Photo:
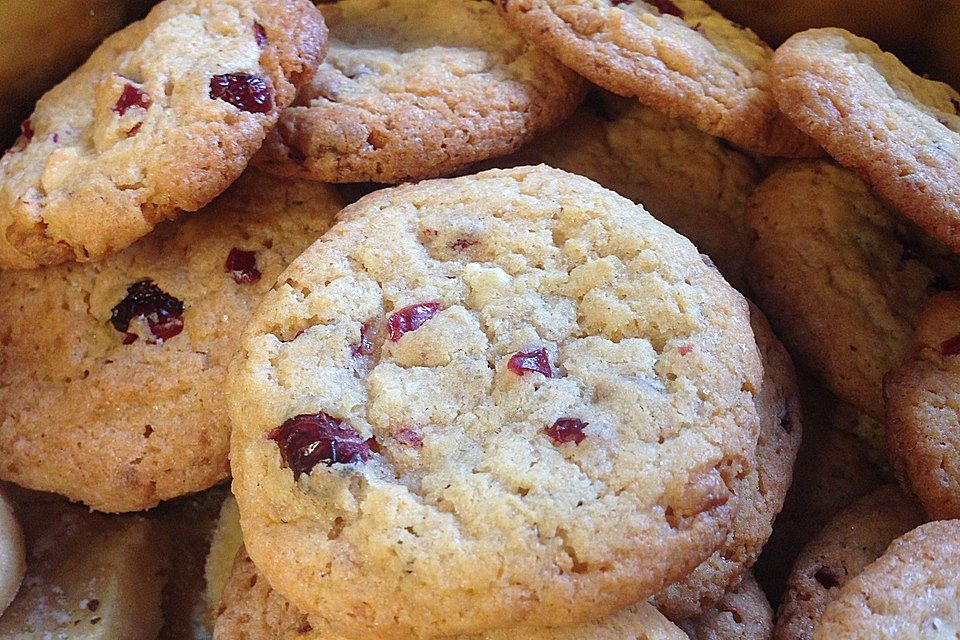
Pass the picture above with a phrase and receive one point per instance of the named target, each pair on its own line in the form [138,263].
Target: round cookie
[226,540]
[112,373]
[408,92]
[760,492]
[685,178]
[923,411]
[252,610]
[852,540]
[898,130]
[162,118]
[830,269]
[910,592]
[13,553]
[743,614]
[682,58]
[478,403]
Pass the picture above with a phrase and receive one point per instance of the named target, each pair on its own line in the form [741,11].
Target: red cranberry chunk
[537,360]
[260,34]
[131,97]
[365,346]
[26,129]
[684,349]
[462,244]
[411,318]
[666,6]
[408,438]
[242,266]
[567,430]
[951,346]
[163,312]
[309,439]
[244,91]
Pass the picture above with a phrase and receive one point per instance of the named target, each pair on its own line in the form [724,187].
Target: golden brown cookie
[478,403]
[112,373]
[688,180]
[161,119]
[13,555]
[852,540]
[743,614]
[911,592]
[761,492]
[923,410]
[680,57]
[252,610]
[898,130]
[829,267]
[409,92]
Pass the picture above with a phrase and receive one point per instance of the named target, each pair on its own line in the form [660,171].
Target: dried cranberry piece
[163,312]
[408,438]
[951,346]
[130,338]
[26,129]
[242,266]
[307,440]
[537,360]
[666,6]
[411,318]
[365,346]
[462,244]
[242,90]
[55,137]
[131,97]
[260,34]
[684,349]
[567,430]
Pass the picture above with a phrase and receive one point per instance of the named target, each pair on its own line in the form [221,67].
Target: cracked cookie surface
[830,266]
[479,403]
[923,410]
[681,58]
[117,400]
[162,118]
[760,492]
[898,130]
[408,93]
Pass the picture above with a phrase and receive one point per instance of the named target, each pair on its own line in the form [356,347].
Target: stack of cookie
[521,393]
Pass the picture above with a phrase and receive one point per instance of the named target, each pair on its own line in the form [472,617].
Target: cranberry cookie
[162,118]
[680,57]
[685,178]
[252,610]
[479,403]
[112,373]
[760,493]
[409,92]
[923,411]
[13,560]
[742,614]
[830,267]
[850,541]
[898,130]
[910,593]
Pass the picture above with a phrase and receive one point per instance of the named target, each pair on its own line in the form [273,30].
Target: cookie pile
[471,303]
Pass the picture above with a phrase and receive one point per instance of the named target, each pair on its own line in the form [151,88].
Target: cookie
[224,545]
[742,614]
[89,575]
[852,540]
[13,561]
[477,403]
[760,493]
[682,58]
[910,592]
[162,118]
[112,373]
[828,266]
[252,610]
[898,130]
[685,178]
[923,411]
[408,92]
